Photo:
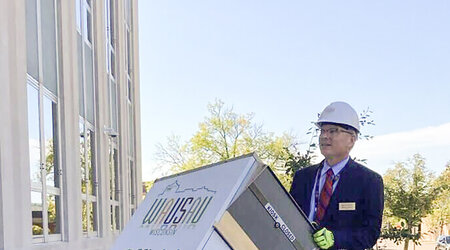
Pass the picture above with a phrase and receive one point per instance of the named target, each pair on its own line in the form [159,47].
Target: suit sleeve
[295,189]
[367,234]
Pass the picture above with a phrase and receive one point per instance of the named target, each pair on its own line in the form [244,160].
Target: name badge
[347,206]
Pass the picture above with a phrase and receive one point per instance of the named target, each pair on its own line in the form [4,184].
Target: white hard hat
[340,113]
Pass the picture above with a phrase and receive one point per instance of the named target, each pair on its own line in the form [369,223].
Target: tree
[225,134]
[146,186]
[409,194]
[298,160]
[440,214]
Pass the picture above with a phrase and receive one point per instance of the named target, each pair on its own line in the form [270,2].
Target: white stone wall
[15,199]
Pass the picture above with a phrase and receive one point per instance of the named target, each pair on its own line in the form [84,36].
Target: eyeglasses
[334,131]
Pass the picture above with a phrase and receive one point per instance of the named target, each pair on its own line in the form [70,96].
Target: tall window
[114,173]
[87,101]
[131,153]
[132,181]
[128,22]
[111,62]
[114,186]
[42,95]
[88,180]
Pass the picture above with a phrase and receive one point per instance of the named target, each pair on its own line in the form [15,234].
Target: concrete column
[69,122]
[123,112]
[15,199]
[137,101]
[102,119]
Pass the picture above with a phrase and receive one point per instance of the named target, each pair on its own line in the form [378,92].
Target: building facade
[70,156]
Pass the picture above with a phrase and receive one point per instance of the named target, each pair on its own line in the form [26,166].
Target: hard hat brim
[344,126]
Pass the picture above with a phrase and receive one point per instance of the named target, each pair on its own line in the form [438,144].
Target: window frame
[132,177]
[115,194]
[87,196]
[39,85]
[87,29]
[42,187]
[111,65]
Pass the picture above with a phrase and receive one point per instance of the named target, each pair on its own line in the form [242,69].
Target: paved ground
[425,245]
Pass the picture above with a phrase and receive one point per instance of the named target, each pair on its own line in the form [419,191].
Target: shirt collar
[336,168]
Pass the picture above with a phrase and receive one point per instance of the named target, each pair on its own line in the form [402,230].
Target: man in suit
[344,198]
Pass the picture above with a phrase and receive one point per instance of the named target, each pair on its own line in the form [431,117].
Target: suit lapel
[310,185]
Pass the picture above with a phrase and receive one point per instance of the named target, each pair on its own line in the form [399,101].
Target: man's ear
[353,141]
[355,138]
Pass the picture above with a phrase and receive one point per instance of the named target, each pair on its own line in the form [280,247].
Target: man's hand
[324,238]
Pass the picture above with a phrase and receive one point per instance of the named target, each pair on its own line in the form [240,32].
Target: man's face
[335,142]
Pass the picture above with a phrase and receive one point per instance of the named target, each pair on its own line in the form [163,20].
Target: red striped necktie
[325,196]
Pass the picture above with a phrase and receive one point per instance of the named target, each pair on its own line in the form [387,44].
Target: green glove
[324,238]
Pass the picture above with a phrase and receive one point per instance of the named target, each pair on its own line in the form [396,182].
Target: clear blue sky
[286,60]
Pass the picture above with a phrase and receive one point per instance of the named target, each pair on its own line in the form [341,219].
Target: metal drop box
[235,204]
[265,216]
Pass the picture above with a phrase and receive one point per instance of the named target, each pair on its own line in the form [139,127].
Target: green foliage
[297,160]
[37,230]
[409,195]
[365,118]
[440,214]
[146,186]
[225,134]
[398,234]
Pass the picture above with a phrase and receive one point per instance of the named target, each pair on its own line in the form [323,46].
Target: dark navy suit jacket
[352,229]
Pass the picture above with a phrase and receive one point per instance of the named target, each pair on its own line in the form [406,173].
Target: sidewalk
[425,245]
